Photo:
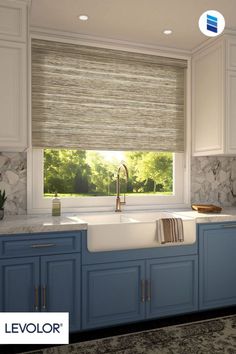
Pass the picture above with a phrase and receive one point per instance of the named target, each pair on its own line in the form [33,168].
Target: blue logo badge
[211,23]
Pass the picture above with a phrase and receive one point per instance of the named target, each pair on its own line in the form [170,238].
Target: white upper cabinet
[231,53]
[13,74]
[13,20]
[214,98]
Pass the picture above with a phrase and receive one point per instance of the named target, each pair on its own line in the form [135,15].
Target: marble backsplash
[213,180]
[13,181]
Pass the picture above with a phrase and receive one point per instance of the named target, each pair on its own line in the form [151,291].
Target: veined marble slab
[227,214]
[19,224]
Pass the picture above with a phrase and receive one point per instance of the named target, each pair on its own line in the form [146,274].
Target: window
[74,173]
[86,180]
[91,98]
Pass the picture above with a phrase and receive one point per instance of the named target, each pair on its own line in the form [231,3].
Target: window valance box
[93,98]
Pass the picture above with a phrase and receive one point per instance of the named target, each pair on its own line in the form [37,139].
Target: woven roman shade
[92,98]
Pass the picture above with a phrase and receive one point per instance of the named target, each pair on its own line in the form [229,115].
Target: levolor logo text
[34,328]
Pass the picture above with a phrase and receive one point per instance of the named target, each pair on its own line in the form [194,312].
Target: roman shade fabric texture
[93,98]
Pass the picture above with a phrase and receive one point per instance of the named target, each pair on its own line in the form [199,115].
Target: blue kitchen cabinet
[42,272]
[217,265]
[113,293]
[171,286]
[60,286]
[122,292]
[19,284]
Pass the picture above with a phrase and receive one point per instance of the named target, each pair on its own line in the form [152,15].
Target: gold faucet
[118,201]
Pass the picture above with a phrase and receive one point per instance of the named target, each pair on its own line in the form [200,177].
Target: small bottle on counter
[56,206]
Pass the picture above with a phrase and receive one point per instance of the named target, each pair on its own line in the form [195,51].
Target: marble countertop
[39,223]
[227,214]
[18,224]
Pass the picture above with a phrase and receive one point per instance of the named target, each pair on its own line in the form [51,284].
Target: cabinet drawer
[39,244]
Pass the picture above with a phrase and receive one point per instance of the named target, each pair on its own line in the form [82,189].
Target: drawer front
[40,244]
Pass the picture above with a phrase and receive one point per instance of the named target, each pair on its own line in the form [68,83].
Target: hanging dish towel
[170,230]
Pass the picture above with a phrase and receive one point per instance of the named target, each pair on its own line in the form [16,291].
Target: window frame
[35,202]
[38,203]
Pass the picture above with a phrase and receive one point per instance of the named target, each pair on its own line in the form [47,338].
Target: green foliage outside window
[89,173]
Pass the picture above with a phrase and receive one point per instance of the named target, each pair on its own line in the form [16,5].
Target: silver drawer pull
[45,245]
[232,226]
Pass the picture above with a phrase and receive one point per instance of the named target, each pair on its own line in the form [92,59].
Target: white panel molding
[13,20]
[212,40]
[231,53]
[188,135]
[74,38]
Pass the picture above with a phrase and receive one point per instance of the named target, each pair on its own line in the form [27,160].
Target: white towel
[170,230]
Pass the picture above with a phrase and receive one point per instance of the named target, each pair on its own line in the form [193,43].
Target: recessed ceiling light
[83,17]
[168,31]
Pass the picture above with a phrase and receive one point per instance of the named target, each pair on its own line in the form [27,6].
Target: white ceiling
[136,21]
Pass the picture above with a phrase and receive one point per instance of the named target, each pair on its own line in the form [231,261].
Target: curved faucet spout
[118,201]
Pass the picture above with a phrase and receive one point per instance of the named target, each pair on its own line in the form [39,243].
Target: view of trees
[89,173]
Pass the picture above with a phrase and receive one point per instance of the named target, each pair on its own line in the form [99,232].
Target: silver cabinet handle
[232,226]
[43,245]
[44,298]
[36,298]
[148,290]
[142,290]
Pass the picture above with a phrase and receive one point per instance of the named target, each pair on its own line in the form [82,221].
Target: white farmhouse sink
[110,231]
[105,218]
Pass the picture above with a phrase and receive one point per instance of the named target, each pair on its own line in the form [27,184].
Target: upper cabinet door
[13,110]
[208,102]
[213,98]
[13,20]
[231,111]
[13,75]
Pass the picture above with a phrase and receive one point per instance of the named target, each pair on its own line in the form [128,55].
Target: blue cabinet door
[217,265]
[60,286]
[19,284]
[113,293]
[171,286]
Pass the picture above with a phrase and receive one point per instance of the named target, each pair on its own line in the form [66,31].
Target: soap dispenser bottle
[56,206]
